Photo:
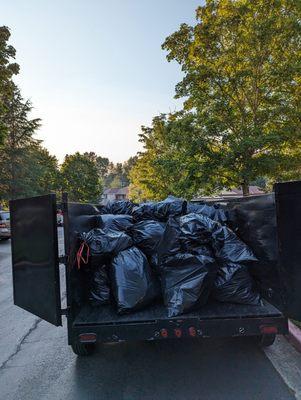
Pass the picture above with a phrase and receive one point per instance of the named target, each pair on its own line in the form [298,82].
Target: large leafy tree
[16,150]
[8,68]
[171,162]
[102,163]
[41,172]
[26,168]
[242,75]
[80,178]
[117,175]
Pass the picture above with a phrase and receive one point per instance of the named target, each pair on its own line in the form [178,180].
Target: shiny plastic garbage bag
[144,211]
[99,292]
[134,284]
[170,207]
[234,284]
[186,280]
[146,235]
[170,243]
[213,212]
[226,245]
[119,222]
[106,243]
[160,211]
[120,207]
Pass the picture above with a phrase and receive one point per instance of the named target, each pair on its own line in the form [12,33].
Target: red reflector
[87,337]
[192,331]
[178,332]
[269,330]
[164,333]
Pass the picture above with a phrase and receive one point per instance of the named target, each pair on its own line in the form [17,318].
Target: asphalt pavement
[37,363]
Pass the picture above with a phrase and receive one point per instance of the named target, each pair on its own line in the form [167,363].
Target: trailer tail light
[269,330]
[178,332]
[164,333]
[87,337]
[2,225]
[192,331]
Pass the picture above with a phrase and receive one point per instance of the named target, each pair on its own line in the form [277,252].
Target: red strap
[79,255]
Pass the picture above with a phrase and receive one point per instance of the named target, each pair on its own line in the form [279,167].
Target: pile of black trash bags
[179,251]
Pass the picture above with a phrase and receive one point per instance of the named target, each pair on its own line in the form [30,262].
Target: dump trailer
[270,224]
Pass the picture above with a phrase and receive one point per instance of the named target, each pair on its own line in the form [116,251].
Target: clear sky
[94,70]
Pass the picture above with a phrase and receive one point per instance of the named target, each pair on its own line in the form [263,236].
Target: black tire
[4,239]
[265,340]
[83,349]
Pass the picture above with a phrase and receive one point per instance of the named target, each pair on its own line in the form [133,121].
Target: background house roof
[117,191]
[230,193]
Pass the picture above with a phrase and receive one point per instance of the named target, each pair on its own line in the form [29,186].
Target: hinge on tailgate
[63,259]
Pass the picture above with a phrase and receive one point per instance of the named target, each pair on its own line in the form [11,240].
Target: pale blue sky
[94,70]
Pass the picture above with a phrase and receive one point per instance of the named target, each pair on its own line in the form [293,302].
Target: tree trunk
[245,189]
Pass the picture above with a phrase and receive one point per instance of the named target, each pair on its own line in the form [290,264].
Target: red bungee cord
[79,255]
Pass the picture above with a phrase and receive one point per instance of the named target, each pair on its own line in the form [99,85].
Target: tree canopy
[171,162]
[242,75]
[8,68]
[80,178]
[16,152]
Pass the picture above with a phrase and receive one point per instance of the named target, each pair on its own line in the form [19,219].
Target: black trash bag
[170,207]
[119,222]
[102,209]
[146,235]
[99,293]
[213,212]
[120,207]
[187,280]
[154,263]
[144,211]
[106,243]
[234,284]
[133,283]
[82,223]
[160,211]
[196,229]
[170,243]
[177,240]
[229,248]
[200,249]
[226,245]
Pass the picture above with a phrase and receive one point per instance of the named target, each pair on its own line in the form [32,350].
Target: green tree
[242,75]
[15,152]
[80,178]
[102,163]
[114,178]
[127,167]
[171,162]
[7,70]
[41,173]
[118,174]
[26,168]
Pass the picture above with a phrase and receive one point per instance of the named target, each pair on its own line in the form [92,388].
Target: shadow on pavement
[179,369]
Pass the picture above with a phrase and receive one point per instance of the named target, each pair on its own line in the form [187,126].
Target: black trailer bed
[107,315]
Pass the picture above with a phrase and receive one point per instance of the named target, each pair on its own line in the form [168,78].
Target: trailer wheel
[266,340]
[83,349]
